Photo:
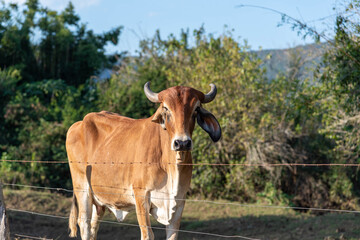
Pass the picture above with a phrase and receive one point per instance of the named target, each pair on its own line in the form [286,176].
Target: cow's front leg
[172,230]
[142,199]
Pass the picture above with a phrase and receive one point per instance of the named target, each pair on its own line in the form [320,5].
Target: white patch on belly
[119,214]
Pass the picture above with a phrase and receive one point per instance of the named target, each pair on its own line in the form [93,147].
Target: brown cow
[123,164]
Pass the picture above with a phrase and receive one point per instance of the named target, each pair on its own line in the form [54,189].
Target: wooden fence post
[4,224]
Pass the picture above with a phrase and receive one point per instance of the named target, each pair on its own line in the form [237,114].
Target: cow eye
[196,112]
[166,111]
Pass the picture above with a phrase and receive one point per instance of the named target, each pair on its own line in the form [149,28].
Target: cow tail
[73,217]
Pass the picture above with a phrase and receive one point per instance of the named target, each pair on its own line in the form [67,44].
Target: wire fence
[188,200]
[30,237]
[169,198]
[194,164]
[136,225]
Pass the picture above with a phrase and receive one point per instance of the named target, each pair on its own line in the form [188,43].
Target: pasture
[252,221]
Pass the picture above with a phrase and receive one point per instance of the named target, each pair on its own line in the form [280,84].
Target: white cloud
[61,4]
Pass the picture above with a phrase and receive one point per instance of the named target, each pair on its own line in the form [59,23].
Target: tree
[66,50]
[45,86]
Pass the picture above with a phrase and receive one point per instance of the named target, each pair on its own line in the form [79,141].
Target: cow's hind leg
[73,217]
[97,214]
[85,212]
[142,212]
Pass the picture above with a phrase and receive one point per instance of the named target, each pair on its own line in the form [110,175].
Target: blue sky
[141,18]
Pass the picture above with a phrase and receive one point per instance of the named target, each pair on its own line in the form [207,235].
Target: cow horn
[150,94]
[210,95]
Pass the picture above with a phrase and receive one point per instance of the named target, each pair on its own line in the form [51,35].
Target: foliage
[123,92]
[8,80]
[37,126]
[340,73]
[45,86]
[66,49]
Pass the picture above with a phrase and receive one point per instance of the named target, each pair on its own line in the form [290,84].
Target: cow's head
[179,107]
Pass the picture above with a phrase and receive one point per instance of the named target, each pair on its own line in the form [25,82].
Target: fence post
[4,224]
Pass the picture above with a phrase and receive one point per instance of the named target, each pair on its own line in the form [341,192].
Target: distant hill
[276,61]
[307,57]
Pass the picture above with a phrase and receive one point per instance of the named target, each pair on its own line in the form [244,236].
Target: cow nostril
[180,145]
[188,144]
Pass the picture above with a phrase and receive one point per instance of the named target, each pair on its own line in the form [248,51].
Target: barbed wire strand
[198,164]
[196,200]
[31,161]
[32,237]
[135,225]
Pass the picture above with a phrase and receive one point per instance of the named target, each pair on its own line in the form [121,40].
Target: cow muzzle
[182,144]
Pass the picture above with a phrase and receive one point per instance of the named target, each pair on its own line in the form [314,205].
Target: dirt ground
[253,221]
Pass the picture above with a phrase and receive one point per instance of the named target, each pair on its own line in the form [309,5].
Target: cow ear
[208,122]
[158,117]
